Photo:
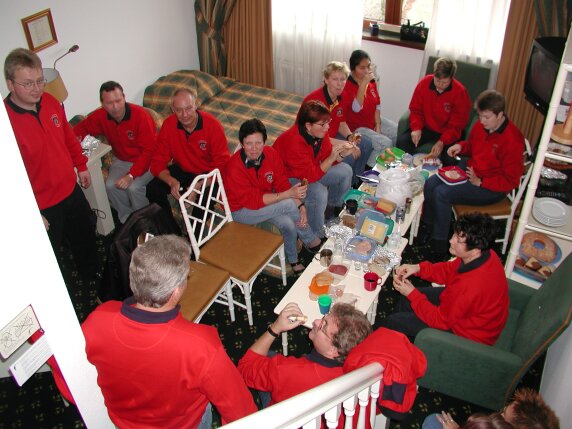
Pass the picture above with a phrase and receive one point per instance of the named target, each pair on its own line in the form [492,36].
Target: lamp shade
[55,85]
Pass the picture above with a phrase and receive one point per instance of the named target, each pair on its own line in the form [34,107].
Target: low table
[299,293]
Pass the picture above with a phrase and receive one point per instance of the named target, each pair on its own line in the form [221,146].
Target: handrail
[306,409]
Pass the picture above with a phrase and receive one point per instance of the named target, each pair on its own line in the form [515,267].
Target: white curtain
[308,34]
[468,30]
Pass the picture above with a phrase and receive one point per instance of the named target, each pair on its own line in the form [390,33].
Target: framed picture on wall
[39,30]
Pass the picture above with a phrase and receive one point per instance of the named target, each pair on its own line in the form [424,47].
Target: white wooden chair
[506,208]
[241,250]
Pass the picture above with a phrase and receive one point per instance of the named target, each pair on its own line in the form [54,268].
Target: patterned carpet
[38,405]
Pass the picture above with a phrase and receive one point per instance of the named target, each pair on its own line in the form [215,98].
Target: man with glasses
[474,302]
[51,155]
[194,140]
[131,132]
[439,112]
[332,337]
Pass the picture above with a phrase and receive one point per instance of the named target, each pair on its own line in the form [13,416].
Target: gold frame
[40,31]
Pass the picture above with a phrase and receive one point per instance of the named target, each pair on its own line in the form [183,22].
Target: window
[397,11]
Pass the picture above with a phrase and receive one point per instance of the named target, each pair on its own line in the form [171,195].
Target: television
[541,71]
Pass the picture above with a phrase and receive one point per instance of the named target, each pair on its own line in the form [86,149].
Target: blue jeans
[358,165]
[126,201]
[431,422]
[207,419]
[439,200]
[379,141]
[284,215]
[328,191]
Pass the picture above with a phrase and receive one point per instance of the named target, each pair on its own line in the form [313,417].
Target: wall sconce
[55,85]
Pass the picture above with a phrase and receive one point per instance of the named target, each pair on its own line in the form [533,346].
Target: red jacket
[298,155]
[245,186]
[446,113]
[403,364]
[133,139]
[336,108]
[49,149]
[474,303]
[496,157]
[199,152]
[366,116]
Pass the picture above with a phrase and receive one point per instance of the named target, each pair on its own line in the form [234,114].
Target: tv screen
[543,64]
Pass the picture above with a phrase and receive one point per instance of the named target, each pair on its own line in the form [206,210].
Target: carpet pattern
[38,404]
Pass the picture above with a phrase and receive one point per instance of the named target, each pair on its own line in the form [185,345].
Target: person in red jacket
[495,147]
[363,112]
[278,377]
[51,155]
[335,75]
[194,140]
[308,154]
[439,112]
[258,190]
[131,132]
[474,302]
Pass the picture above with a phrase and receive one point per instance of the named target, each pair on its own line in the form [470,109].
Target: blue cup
[324,302]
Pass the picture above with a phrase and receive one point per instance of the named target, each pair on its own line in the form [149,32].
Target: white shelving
[526,223]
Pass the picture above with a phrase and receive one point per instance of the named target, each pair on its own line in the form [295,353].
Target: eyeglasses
[29,84]
[323,124]
[323,326]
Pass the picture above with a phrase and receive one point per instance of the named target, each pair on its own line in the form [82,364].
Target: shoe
[297,268]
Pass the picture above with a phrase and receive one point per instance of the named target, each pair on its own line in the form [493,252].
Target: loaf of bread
[385,206]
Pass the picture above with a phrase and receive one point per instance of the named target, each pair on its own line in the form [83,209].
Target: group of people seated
[297,184]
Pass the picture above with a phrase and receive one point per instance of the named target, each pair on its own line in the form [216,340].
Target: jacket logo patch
[339,112]
[447,107]
[130,135]
[270,177]
[203,144]
[56,120]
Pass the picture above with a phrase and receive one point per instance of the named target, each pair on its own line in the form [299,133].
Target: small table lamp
[562,133]
[55,85]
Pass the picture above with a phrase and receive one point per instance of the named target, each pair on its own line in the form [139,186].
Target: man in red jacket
[194,140]
[474,302]
[439,112]
[131,132]
[51,155]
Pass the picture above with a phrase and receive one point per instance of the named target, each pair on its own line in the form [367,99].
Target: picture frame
[40,31]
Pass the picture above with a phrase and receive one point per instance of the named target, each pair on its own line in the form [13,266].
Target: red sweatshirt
[337,111]
[446,113]
[496,157]
[366,116]
[474,303]
[298,154]
[246,186]
[199,152]
[133,139]
[49,149]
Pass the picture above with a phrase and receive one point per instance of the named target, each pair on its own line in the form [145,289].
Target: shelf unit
[526,223]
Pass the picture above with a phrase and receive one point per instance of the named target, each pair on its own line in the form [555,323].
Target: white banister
[306,409]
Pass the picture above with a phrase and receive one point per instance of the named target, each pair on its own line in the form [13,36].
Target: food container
[339,271]
[360,249]
[394,186]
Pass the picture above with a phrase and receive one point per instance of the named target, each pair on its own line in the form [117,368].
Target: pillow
[158,95]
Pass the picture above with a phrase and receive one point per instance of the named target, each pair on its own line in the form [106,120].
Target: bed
[230,101]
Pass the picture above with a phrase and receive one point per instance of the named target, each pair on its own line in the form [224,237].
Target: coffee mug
[325,257]
[351,206]
[370,281]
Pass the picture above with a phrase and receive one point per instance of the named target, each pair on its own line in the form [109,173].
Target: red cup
[370,281]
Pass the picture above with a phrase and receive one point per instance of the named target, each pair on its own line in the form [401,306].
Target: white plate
[552,209]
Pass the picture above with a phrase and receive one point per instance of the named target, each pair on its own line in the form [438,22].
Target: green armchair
[474,77]
[488,375]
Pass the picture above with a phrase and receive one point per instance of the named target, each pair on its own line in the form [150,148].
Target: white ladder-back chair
[241,250]
[351,393]
[506,208]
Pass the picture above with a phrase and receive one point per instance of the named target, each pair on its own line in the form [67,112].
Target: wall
[399,69]
[130,41]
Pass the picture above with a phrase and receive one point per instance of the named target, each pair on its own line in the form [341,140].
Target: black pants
[405,143]
[158,191]
[404,320]
[72,223]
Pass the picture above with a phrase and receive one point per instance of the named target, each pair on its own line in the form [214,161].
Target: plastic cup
[324,302]
[370,281]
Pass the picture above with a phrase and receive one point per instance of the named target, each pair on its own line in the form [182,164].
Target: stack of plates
[550,211]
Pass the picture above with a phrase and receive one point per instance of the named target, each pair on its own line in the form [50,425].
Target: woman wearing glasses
[309,156]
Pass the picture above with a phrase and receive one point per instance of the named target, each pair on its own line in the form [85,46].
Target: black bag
[414,32]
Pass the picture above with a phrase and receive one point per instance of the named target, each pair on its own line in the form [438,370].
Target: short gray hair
[353,328]
[19,58]
[157,268]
